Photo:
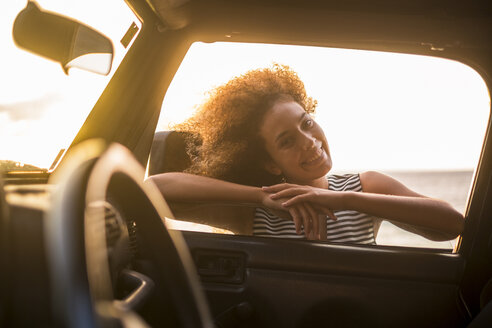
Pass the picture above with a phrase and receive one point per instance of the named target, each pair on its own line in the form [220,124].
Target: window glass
[42,108]
[419,119]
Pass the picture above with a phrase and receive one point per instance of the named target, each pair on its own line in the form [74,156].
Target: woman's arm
[183,187]
[177,186]
[387,198]
[432,218]
[201,200]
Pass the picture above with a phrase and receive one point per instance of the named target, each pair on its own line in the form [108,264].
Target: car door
[255,281]
[252,281]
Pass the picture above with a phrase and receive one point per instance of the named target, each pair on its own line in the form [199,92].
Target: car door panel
[306,284]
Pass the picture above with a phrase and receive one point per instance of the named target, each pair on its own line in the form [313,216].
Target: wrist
[259,196]
[349,199]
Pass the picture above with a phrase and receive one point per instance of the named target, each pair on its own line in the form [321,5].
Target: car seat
[168,154]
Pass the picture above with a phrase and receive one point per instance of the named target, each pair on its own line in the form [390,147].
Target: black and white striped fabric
[350,227]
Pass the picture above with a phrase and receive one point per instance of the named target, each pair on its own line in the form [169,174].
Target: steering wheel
[112,260]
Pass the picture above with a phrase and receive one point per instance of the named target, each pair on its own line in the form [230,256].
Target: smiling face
[296,144]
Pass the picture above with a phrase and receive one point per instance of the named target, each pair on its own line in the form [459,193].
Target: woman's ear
[272,168]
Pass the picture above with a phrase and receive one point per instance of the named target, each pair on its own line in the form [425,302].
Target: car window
[419,119]
[41,107]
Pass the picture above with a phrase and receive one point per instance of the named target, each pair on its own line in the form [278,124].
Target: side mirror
[63,40]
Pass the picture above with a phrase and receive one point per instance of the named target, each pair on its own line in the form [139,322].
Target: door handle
[217,266]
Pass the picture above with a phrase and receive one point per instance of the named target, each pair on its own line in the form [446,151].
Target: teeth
[315,156]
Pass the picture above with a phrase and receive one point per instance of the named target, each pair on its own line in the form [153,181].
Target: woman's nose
[309,142]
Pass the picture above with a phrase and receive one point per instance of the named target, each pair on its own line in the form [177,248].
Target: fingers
[277,187]
[322,227]
[314,220]
[296,218]
[296,200]
[304,216]
[331,215]
[306,219]
[289,192]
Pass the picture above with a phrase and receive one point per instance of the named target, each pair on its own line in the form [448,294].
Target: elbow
[169,184]
[458,226]
[454,223]
[152,180]
[454,229]
[159,181]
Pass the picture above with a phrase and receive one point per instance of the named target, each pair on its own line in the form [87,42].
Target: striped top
[350,226]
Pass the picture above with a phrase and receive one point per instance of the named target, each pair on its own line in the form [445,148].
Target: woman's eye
[308,123]
[286,142]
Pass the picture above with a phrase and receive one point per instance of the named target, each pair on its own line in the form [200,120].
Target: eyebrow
[285,132]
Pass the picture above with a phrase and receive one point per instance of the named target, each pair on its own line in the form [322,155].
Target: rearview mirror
[63,40]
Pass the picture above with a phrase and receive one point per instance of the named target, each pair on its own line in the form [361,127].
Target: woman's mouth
[316,158]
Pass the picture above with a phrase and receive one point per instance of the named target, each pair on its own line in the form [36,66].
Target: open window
[419,119]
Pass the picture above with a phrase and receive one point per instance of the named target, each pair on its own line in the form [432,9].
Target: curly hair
[227,144]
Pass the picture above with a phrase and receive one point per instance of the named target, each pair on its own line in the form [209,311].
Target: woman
[256,142]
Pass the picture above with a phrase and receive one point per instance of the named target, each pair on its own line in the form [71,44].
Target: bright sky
[379,110]
[41,108]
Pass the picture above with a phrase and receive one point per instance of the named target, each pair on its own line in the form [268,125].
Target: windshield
[42,108]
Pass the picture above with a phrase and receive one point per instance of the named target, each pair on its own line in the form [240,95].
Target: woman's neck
[321,182]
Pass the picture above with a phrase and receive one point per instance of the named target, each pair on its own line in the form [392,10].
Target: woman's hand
[322,200]
[303,215]
[381,197]
[309,214]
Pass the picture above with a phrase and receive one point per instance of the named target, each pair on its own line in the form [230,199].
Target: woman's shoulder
[380,183]
[344,182]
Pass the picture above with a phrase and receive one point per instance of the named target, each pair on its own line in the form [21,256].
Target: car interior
[89,242]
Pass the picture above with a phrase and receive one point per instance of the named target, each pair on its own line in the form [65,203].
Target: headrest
[168,153]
